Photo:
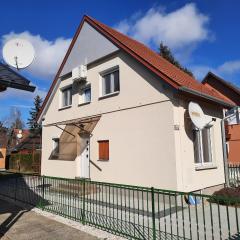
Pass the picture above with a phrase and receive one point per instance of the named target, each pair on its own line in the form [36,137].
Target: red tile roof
[153,61]
[175,76]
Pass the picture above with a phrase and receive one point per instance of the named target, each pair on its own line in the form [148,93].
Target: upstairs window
[110,82]
[103,147]
[67,97]
[203,146]
[85,95]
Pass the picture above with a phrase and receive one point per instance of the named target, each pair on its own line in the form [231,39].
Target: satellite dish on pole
[197,116]
[18,53]
[19,135]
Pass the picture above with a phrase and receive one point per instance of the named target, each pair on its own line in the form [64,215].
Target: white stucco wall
[89,46]
[189,178]
[141,147]
[138,123]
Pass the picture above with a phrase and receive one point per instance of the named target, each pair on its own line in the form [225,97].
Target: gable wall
[90,46]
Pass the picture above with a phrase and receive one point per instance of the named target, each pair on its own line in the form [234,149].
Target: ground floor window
[103,147]
[55,146]
[203,152]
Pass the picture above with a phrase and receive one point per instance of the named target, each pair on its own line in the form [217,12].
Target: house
[232,93]
[26,155]
[128,122]
[16,137]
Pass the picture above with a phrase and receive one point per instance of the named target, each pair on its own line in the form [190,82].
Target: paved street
[19,224]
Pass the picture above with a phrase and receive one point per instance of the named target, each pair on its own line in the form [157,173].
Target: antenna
[18,53]
[19,135]
[197,116]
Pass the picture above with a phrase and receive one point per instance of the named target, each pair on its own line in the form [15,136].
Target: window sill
[103,160]
[109,95]
[63,108]
[82,104]
[205,167]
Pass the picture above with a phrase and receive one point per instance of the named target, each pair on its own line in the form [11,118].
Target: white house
[117,112]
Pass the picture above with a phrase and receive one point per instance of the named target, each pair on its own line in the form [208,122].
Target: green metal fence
[234,174]
[129,211]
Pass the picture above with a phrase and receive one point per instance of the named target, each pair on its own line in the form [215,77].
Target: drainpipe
[225,160]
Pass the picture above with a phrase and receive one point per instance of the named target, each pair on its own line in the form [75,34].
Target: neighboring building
[224,88]
[26,156]
[3,147]
[128,122]
[14,140]
[12,79]
[232,93]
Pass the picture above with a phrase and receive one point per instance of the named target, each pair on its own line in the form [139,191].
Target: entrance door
[84,157]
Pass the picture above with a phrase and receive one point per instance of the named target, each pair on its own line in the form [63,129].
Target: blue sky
[204,35]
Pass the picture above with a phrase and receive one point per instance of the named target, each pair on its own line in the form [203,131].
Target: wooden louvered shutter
[103,146]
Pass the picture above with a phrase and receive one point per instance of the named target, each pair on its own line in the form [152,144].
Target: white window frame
[202,162]
[82,99]
[102,83]
[69,87]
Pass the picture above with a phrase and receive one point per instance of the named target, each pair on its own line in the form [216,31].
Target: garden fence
[129,211]
[234,174]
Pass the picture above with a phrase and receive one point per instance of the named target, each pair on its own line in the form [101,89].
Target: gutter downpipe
[225,160]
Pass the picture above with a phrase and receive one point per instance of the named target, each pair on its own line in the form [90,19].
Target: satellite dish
[19,135]
[197,116]
[18,53]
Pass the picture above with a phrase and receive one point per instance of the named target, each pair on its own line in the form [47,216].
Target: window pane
[87,95]
[64,95]
[107,84]
[116,81]
[70,96]
[56,146]
[197,146]
[207,149]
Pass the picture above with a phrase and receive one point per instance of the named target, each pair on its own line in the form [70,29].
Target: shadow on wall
[17,188]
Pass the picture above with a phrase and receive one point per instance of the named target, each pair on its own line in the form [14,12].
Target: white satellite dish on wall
[18,53]
[197,116]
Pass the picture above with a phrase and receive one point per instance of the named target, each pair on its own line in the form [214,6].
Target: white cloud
[182,27]
[227,70]
[48,54]
[230,67]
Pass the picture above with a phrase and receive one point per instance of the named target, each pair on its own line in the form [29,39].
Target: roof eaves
[18,86]
[224,82]
[206,96]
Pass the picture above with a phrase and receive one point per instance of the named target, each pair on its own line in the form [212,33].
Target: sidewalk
[20,224]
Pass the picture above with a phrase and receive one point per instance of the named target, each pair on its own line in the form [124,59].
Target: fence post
[84,192]
[43,192]
[153,214]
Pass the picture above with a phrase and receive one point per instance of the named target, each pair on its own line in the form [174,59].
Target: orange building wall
[233,135]
[2,160]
